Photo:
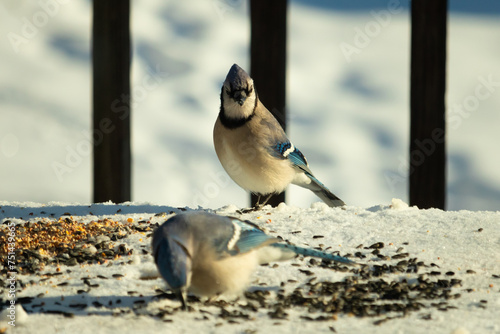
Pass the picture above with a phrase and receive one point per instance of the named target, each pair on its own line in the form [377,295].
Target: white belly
[229,276]
[254,169]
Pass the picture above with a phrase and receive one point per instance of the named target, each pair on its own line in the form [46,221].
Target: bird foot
[248,210]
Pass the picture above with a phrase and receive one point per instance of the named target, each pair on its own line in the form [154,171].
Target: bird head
[173,251]
[238,96]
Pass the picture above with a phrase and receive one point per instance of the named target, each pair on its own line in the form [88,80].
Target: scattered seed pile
[372,291]
[65,241]
[386,291]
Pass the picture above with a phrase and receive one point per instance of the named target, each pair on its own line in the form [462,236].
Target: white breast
[229,276]
[250,165]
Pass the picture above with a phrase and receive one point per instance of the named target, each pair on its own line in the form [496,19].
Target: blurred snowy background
[348,112]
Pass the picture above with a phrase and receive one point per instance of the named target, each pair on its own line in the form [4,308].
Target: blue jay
[253,148]
[208,255]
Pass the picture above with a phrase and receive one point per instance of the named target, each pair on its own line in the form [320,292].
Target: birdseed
[386,287]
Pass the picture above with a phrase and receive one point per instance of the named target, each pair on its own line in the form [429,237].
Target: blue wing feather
[298,159]
[286,150]
[250,237]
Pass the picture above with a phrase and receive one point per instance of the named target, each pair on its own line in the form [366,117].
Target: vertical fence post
[111,58]
[427,104]
[268,61]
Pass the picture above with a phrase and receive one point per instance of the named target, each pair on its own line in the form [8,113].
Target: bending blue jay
[208,254]
[253,148]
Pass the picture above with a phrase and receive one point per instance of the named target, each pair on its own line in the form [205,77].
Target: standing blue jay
[208,254]
[253,148]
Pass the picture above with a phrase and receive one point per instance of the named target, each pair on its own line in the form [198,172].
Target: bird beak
[240,97]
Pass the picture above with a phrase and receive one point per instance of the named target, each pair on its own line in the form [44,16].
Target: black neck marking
[233,123]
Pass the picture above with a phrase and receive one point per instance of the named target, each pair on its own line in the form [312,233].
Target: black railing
[111,79]
[111,56]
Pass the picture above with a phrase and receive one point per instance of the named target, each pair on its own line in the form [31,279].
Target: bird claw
[248,210]
[258,206]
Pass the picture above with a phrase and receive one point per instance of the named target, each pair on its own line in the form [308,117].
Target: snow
[454,241]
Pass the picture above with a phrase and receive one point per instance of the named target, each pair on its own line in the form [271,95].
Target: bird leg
[257,205]
[261,205]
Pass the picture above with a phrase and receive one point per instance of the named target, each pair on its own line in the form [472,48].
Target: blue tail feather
[324,193]
[313,253]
